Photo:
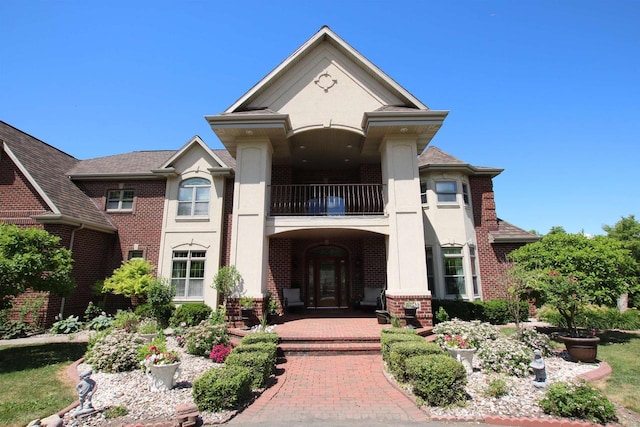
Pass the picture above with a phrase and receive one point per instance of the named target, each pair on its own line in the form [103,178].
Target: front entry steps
[324,346]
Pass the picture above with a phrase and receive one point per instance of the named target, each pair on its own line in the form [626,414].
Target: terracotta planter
[581,349]
[464,356]
[163,377]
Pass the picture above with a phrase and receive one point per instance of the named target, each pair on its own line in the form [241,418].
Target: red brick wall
[227,219]
[280,268]
[424,315]
[492,257]
[142,226]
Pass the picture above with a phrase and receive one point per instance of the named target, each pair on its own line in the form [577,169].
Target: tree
[227,280]
[32,259]
[627,231]
[132,279]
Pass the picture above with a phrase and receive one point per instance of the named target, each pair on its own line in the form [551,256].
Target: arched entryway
[327,277]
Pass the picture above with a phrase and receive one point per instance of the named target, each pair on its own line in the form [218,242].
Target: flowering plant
[157,354]
[456,341]
[219,353]
[475,333]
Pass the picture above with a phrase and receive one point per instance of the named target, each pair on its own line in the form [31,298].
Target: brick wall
[227,220]
[424,314]
[492,257]
[142,226]
[280,268]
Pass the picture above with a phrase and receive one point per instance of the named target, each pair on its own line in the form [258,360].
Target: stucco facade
[327,182]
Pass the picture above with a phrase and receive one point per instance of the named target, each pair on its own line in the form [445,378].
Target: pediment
[325,84]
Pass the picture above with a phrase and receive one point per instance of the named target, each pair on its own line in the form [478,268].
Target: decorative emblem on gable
[325,81]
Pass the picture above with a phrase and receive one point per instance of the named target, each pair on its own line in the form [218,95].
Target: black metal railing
[327,199]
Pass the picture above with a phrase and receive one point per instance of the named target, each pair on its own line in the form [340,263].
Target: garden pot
[464,356]
[163,377]
[383,317]
[410,312]
[581,349]
[149,337]
[247,317]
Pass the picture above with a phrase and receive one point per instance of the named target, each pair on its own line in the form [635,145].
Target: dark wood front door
[327,284]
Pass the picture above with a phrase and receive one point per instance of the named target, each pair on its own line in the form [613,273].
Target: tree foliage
[32,258]
[226,281]
[627,231]
[601,266]
[132,278]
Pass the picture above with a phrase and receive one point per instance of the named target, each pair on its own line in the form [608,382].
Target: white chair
[292,298]
[371,297]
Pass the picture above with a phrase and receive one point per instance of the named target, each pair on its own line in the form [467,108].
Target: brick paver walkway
[331,388]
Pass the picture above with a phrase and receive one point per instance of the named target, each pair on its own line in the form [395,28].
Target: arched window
[193,197]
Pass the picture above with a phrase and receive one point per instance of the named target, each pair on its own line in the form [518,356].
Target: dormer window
[193,197]
[446,191]
[120,200]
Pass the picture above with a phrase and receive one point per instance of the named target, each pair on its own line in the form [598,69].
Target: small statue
[537,366]
[85,388]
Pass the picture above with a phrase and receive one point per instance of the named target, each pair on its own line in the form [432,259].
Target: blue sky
[547,90]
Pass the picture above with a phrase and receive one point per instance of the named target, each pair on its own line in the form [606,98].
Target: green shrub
[494,311]
[536,341]
[388,338]
[127,320]
[578,401]
[402,350]
[70,325]
[160,300]
[114,350]
[442,315]
[191,313]
[10,329]
[259,363]
[594,317]
[438,379]
[223,388]
[143,310]
[200,339]
[401,331]
[506,356]
[268,348]
[497,387]
[257,337]
[92,311]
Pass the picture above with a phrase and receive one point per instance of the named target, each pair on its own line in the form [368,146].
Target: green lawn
[33,381]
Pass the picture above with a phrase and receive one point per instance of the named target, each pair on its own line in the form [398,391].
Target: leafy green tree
[132,279]
[32,259]
[227,280]
[627,231]
[572,270]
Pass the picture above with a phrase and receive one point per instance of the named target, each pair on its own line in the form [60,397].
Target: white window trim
[462,256]
[188,259]
[121,199]
[451,203]
[192,215]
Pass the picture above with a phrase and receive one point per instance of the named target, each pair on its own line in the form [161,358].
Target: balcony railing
[327,199]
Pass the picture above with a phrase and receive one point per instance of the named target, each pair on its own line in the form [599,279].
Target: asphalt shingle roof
[134,163]
[47,166]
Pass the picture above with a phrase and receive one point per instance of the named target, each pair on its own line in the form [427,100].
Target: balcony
[326,200]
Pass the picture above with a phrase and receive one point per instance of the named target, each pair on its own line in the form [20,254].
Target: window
[135,254]
[446,191]
[465,193]
[430,272]
[423,192]
[187,274]
[120,200]
[193,197]
[474,274]
[453,271]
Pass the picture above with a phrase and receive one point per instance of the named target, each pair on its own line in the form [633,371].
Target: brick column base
[424,314]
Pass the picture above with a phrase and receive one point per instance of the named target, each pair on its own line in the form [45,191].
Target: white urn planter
[163,377]
[464,356]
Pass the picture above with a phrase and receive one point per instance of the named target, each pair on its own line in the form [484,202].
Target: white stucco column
[249,247]
[406,264]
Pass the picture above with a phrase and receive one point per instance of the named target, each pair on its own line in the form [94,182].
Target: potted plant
[461,349]
[247,309]
[148,329]
[160,365]
[410,308]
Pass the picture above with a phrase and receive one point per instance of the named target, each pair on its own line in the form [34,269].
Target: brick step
[328,348]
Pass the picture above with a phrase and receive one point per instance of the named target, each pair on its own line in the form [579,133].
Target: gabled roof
[325,34]
[136,164]
[434,158]
[44,167]
[195,141]
[509,233]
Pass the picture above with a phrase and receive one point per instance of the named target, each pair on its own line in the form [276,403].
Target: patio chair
[291,298]
[371,297]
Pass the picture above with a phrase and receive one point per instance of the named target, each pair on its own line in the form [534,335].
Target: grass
[34,382]
[620,350]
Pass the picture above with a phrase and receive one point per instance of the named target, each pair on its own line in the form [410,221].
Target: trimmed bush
[437,378]
[536,341]
[201,339]
[191,313]
[223,388]
[387,339]
[595,317]
[114,350]
[401,331]
[268,348]
[257,337]
[578,401]
[402,350]
[494,311]
[259,364]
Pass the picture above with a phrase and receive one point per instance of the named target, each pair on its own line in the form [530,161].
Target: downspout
[73,237]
